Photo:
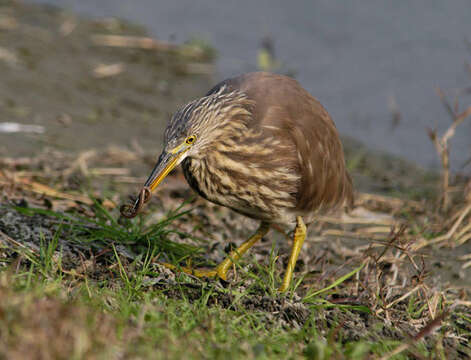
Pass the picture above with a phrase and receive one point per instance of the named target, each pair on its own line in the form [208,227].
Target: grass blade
[334,284]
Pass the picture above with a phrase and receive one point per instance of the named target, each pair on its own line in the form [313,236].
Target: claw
[200,273]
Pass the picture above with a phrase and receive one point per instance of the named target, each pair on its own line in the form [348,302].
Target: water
[356,57]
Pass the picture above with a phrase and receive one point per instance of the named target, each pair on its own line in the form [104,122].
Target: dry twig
[442,146]
[139,42]
[108,70]
[68,26]
[48,191]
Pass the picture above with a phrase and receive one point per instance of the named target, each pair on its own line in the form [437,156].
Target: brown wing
[292,114]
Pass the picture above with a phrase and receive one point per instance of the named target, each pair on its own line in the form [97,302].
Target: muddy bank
[89,96]
[85,95]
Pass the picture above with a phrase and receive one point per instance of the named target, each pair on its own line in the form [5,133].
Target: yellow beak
[167,161]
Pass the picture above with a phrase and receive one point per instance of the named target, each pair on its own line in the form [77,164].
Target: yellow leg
[236,254]
[222,269]
[298,240]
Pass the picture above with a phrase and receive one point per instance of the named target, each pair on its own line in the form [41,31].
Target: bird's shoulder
[279,101]
[284,109]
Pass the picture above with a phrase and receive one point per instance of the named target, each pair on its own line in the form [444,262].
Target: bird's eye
[190,139]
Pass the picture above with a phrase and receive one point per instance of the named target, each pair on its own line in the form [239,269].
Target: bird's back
[306,135]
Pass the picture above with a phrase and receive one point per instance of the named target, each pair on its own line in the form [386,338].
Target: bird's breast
[248,187]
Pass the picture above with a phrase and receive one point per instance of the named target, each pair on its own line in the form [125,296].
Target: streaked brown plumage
[262,146]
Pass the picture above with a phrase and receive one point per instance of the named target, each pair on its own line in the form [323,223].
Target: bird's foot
[220,270]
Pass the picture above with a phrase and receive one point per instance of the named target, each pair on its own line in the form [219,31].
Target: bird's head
[197,127]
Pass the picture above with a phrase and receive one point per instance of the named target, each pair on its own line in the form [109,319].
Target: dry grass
[442,146]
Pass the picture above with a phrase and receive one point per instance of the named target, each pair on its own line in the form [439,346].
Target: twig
[80,163]
[108,70]
[139,42]
[453,229]
[442,146]
[9,56]
[48,191]
[109,171]
[67,27]
[14,242]
[432,325]
[403,297]
[395,112]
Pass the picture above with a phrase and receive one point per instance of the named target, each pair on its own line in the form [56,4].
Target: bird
[263,146]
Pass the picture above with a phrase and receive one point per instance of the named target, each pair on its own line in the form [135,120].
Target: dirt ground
[50,65]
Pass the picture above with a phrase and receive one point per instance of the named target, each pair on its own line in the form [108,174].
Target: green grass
[115,306]
[143,321]
[105,229]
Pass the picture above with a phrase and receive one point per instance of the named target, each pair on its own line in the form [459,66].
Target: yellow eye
[190,139]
